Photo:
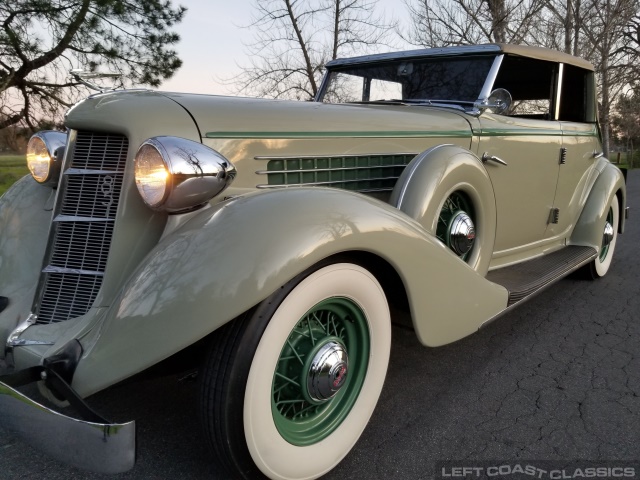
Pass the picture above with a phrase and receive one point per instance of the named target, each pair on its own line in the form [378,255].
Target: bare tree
[615,59]
[438,23]
[40,41]
[293,39]
[626,121]
[605,32]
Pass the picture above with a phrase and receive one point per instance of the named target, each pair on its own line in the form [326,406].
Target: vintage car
[263,240]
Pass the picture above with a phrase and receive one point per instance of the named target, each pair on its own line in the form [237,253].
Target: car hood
[237,117]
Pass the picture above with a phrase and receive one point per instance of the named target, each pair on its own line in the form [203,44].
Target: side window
[574,94]
[382,89]
[356,88]
[531,84]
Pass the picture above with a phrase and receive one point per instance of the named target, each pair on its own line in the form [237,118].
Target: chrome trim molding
[486,157]
[56,144]
[197,173]
[420,53]
[462,233]
[77,271]
[328,371]
[88,171]
[14,336]
[342,169]
[487,88]
[327,183]
[607,235]
[558,91]
[74,218]
[97,447]
[338,155]
[412,167]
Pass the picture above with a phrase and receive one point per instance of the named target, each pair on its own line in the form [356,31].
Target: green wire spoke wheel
[320,371]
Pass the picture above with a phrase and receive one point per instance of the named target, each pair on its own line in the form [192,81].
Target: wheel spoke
[313,340]
[287,379]
[294,352]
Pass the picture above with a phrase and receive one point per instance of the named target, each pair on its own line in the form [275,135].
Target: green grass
[12,167]
[624,163]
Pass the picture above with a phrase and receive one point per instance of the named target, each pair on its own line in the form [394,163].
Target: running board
[526,278]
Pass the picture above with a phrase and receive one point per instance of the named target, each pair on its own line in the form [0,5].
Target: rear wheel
[288,388]
[600,265]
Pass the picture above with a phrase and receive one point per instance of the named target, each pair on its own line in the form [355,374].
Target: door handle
[492,158]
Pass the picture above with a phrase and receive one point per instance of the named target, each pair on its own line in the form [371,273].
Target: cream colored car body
[171,280]
[254,255]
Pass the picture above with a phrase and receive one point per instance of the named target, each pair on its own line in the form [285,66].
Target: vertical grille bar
[83,227]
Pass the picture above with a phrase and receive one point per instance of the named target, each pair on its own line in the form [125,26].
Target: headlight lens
[38,159]
[151,175]
[44,156]
[177,175]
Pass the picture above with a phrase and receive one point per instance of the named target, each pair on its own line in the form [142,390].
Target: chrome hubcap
[328,371]
[462,233]
[607,237]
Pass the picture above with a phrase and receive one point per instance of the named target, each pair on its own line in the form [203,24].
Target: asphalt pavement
[555,380]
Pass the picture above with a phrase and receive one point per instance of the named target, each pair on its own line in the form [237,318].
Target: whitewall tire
[600,266]
[319,351]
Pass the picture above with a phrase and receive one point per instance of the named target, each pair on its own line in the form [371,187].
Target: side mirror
[498,102]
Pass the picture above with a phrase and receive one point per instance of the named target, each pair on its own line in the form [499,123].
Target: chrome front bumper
[98,447]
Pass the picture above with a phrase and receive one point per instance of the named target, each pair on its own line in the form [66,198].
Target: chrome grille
[67,295]
[83,195]
[82,245]
[362,173]
[83,226]
[99,151]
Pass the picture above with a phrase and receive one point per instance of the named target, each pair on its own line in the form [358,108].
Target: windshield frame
[337,66]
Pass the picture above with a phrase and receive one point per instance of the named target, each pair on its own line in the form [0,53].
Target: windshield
[452,79]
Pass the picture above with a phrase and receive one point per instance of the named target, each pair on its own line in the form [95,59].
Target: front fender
[588,230]
[228,258]
[25,216]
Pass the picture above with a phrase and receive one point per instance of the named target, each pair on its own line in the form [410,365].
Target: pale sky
[211,44]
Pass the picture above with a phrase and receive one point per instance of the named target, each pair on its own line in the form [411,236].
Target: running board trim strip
[524,279]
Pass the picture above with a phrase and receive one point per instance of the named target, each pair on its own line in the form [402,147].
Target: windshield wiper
[414,101]
[432,101]
[381,102]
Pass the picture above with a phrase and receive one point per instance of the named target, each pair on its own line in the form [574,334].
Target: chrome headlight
[45,151]
[175,174]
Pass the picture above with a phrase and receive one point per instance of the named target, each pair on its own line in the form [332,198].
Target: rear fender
[588,230]
[228,258]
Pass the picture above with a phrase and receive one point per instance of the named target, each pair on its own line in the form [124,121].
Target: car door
[581,148]
[525,187]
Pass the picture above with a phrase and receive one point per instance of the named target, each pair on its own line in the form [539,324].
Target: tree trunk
[568,28]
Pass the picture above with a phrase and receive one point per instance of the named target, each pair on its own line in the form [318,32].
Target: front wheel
[301,375]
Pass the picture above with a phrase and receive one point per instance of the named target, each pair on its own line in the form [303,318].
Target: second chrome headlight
[44,156]
[176,175]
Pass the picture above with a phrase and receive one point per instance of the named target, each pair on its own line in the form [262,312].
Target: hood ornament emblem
[82,76]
